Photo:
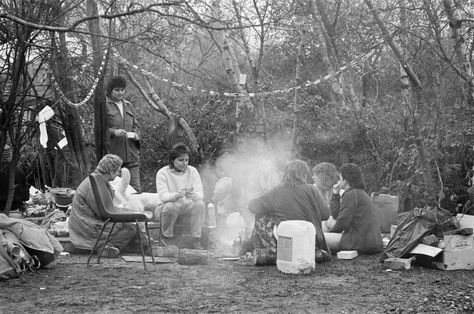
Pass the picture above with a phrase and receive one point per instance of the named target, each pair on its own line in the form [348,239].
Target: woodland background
[386,84]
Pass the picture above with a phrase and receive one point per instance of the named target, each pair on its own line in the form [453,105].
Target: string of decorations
[91,91]
[124,61]
[328,77]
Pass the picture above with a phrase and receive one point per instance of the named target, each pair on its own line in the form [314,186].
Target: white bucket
[295,247]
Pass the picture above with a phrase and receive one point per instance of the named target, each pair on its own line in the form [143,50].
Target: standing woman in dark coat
[355,213]
[123,137]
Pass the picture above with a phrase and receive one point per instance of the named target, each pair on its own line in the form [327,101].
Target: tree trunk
[299,57]
[70,119]
[244,108]
[156,103]
[419,138]
[319,30]
[100,131]
[326,38]
[460,47]
[8,114]
[404,81]
[255,65]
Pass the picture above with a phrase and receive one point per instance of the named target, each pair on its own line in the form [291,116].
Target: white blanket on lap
[125,196]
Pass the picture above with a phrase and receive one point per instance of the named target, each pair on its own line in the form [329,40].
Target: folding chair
[109,213]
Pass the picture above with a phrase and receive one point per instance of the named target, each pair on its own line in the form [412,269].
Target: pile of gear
[25,246]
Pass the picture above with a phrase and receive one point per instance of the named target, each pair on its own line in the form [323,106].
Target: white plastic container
[295,247]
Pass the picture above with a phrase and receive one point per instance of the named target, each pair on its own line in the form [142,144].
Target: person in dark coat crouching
[293,199]
[354,213]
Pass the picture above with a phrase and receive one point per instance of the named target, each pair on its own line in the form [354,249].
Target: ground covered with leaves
[361,285]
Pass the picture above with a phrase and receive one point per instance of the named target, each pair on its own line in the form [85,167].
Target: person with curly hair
[85,222]
[325,175]
[355,214]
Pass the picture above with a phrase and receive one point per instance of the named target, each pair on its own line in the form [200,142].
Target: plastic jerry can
[296,247]
[387,210]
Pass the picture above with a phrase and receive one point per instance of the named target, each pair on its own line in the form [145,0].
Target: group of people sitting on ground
[179,193]
[337,205]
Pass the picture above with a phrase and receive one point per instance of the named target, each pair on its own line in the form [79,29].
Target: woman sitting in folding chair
[85,223]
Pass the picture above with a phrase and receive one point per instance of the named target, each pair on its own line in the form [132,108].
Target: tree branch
[74,25]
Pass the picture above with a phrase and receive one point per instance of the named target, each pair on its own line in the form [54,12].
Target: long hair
[296,171]
[115,81]
[109,164]
[176,151]
[353,175]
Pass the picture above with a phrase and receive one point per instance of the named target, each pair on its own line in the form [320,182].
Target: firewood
[193,257]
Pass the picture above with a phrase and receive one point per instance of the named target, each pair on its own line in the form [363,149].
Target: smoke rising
[251,169]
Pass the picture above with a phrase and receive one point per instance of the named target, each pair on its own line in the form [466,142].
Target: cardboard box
[465,221]
[458,252]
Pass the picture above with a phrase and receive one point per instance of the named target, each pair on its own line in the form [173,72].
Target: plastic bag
[418,224]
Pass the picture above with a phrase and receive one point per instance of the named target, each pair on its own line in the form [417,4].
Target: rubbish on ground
[458,253]
[427,250]
[465,221]
[347,254]
[460,231]
[430,240]
[395,263]
[419,223]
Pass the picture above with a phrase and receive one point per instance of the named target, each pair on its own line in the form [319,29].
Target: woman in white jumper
[180,193]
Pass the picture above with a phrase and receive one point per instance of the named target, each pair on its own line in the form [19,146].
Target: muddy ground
[361,285]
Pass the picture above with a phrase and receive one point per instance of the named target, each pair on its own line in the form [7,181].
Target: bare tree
[425,159]
[461,49]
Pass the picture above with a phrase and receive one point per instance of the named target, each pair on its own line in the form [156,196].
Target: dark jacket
[128,149]
[22,187]
[294,202]
[355,216]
